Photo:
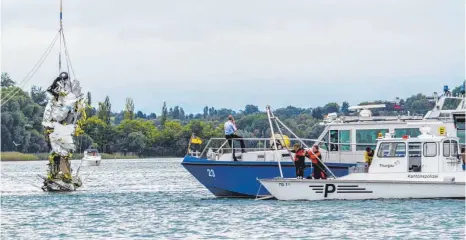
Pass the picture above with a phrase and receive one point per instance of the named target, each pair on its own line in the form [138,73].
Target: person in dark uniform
[299,158]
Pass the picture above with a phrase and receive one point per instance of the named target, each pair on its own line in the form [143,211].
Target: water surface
[158,199]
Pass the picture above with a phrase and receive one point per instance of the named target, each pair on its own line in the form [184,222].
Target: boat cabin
[347,142]
[426,153]
[91,152]
[345,138]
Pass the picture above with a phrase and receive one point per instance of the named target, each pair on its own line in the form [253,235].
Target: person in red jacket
[317,165]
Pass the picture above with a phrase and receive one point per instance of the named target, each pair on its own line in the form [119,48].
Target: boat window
[430,149]
[412,132]
[400,150]
[454,148]
[345,137]
[460,131]
[367,138]
[333,140]
[324,142]
[392,149]
[414,149]
[414,157]
[446,148]
[462,135]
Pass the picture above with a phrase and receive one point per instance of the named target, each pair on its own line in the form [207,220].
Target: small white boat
[427,166]
[91,157]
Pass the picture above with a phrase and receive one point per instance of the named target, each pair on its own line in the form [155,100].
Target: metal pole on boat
[328,169]
[274,140]
[189,144]
[281,134]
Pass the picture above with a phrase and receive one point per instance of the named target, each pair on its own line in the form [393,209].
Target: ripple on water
[158,199]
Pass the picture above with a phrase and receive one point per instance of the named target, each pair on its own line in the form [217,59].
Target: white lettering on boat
[423,176]
[387,165]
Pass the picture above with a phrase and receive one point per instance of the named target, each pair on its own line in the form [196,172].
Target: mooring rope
[257,194]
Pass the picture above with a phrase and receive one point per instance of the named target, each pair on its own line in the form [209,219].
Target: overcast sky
[232,53]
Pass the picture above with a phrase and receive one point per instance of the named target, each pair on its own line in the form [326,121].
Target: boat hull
[313,190]
[91,162]
[239,179]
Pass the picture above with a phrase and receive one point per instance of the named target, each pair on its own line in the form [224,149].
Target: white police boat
[427,166]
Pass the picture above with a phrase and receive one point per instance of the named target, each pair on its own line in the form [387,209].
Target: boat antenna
[274,140]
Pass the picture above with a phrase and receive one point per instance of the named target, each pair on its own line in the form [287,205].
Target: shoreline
[116,158]
[17,156]
[32,160]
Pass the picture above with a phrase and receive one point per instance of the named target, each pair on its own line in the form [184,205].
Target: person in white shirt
[230,134]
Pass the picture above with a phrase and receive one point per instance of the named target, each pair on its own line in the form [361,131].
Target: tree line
[166,133]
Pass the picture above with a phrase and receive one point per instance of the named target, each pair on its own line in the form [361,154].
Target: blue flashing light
[445,88]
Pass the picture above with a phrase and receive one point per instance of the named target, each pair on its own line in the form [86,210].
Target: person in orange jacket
[319,168]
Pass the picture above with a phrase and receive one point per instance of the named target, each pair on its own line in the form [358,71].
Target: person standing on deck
[463,156]
[230,134]
[299,160]
[368,155]
[319,168]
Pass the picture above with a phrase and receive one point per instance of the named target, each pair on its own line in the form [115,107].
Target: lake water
[158,199]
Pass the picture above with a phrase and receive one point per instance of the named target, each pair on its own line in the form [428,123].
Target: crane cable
[31,73]
[67,56]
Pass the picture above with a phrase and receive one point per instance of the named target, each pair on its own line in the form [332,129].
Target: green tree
[83,142]
[105,111]
[38,95]
[129,109]
[6,80]
[182,114]
[251,109]
[317,113]
[331,108]
[97,129]
[152,116]
[176,112]
[135,142]
[90,111]
[206,111]
[418,104]
[140,114]
[345,107]
[164,114]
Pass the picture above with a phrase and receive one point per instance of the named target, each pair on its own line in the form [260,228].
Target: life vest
[314,156]
[300,153]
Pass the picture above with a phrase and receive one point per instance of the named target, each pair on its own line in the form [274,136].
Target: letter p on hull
[329,188]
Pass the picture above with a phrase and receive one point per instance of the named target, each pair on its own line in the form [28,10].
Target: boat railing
[337,150]
[221,145]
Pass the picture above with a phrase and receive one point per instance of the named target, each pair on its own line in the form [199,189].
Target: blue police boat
[227,172]
[224,177]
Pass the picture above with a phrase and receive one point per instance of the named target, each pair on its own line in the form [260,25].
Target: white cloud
[228,54]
